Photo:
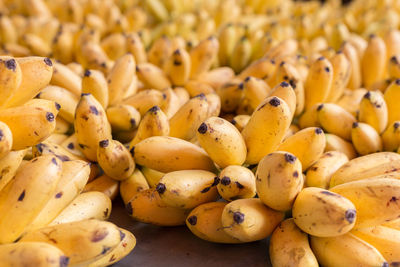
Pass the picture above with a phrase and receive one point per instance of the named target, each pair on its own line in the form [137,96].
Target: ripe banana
[6,140]
[286,92]
[152,176]
[178,67]
[66,78]
[11,78]
[365,138]
[392,93]
[152,76]
[9,165]
[391,137]
[373,61]
[94,82]
[341,75]
[236,182]
[373,111]
[134,184]
[255,90]
[123,117]
[203,55]
[105,185]
[335,143]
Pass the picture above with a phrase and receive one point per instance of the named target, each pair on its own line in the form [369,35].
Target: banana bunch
[174,105]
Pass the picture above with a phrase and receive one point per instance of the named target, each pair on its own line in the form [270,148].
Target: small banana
[94,82]
[391,94]
[144,100]
[203,55]
[336,143]
[123,117]
[236,182]
[374,111]
[341,75]
[105,185]
[255,90]
[134,184]
[373,61]
[11,78]
[178,67]
[66,78]
[152,76]
[365,138]
[6,140]
[152,176]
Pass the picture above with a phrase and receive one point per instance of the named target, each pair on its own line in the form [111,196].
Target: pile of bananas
[243,119]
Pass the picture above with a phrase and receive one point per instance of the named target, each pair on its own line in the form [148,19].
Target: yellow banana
[239,216]
[286,92]
[62,126]
[187,119]
[240,121]
[204,221]
[263,68]
[373,111]
[345,250]
[83,242]
[214,105]
[152,176]
[94,82]
[74,177]
[114,45]
[320,173]
[241,54]
[147,207]
[103,184]
[322,213]
[152,77]
[71,145]
[375,199]
[154,123]
[115,160]
[91,125]
[178,67]
[336,120]
[341,75]
[88,205]
[391,137]
[134,45]
[160,51]
[309,118]
[278,180]
[196,87]
[38,254]
[120,78]
[227,40]
[394,67]
[30,190]
[203,55]
[255,90]
[133,185]
[222,142]
[391,94]
[266,128]
[336,143]
[355,78]
[373,61]
[307,145]
[123,117]
[385,239]
[319,82]
[9,165]
[144,100]
[231,95]
[365,138]
[289,246]
[11,78]
[236,182]
[66,78]
[188,188]
[351,99]
[6,140]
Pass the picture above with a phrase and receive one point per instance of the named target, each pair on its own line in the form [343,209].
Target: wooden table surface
[177,246]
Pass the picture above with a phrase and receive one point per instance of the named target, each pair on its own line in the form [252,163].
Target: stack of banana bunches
[241,119]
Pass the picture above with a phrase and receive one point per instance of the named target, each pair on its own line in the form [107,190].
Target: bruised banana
[147,207]
[239,219]
[187,189]
[83,241]
[322,213]
[222,142]
[166,154]
[279,179]
[289,246]
[88,205]
[236,182]
[204,221]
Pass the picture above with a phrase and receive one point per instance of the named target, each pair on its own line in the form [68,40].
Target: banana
[309,118]
[83,242]
[65,98]
[62,126]
[214,105]
[345,250]
[9,165]
[263,68]
[394,67]
[94,82]
[71,145]
[178,67]
[188,188]
[336,120]
[11,78]
[392,40]
[227,40]
[231,95]
[160,51]
[249,219]
[240,121]
[289,246]
[241,54]
[63,45]
[391,137]
[321,213]
[236,182]
[279,179]
[88,205]
[366,167]
[335,143]
[124,247]
[319,82]
[196,87]
[203,55]
[105,185]
[395,224]
[152,76]
[36,45]
[373,61]
[6,140]
[391,94]
[286,92]
[66,78]
[144,100]
[374,199]
[154,123]
[320,173]
[134,45]
[74,177]
[123,117]
[32,187]
[205,222]
[255,90]
[38,254]
[147,207]
[351,99]
[91,125]
[374,111]
[222,142]
[385,239]
[365,138]
[266,128]
[134,184]
[114,45]
[355,78]
[341,75]
[115,160]
[307,145]
[120,77]
[217,77]
[152,176]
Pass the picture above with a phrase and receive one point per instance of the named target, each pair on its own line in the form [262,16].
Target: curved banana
[94,82]
[203,55]
[373,111]
[391,94]
[365,138]
[178,67]
[11,78]
[341,75]
[373,61]
[152,76]
[152,176]
[123,117]
[6,140]
[105,185]
[336,143]
[66,78]
[236,182]
[134,184]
